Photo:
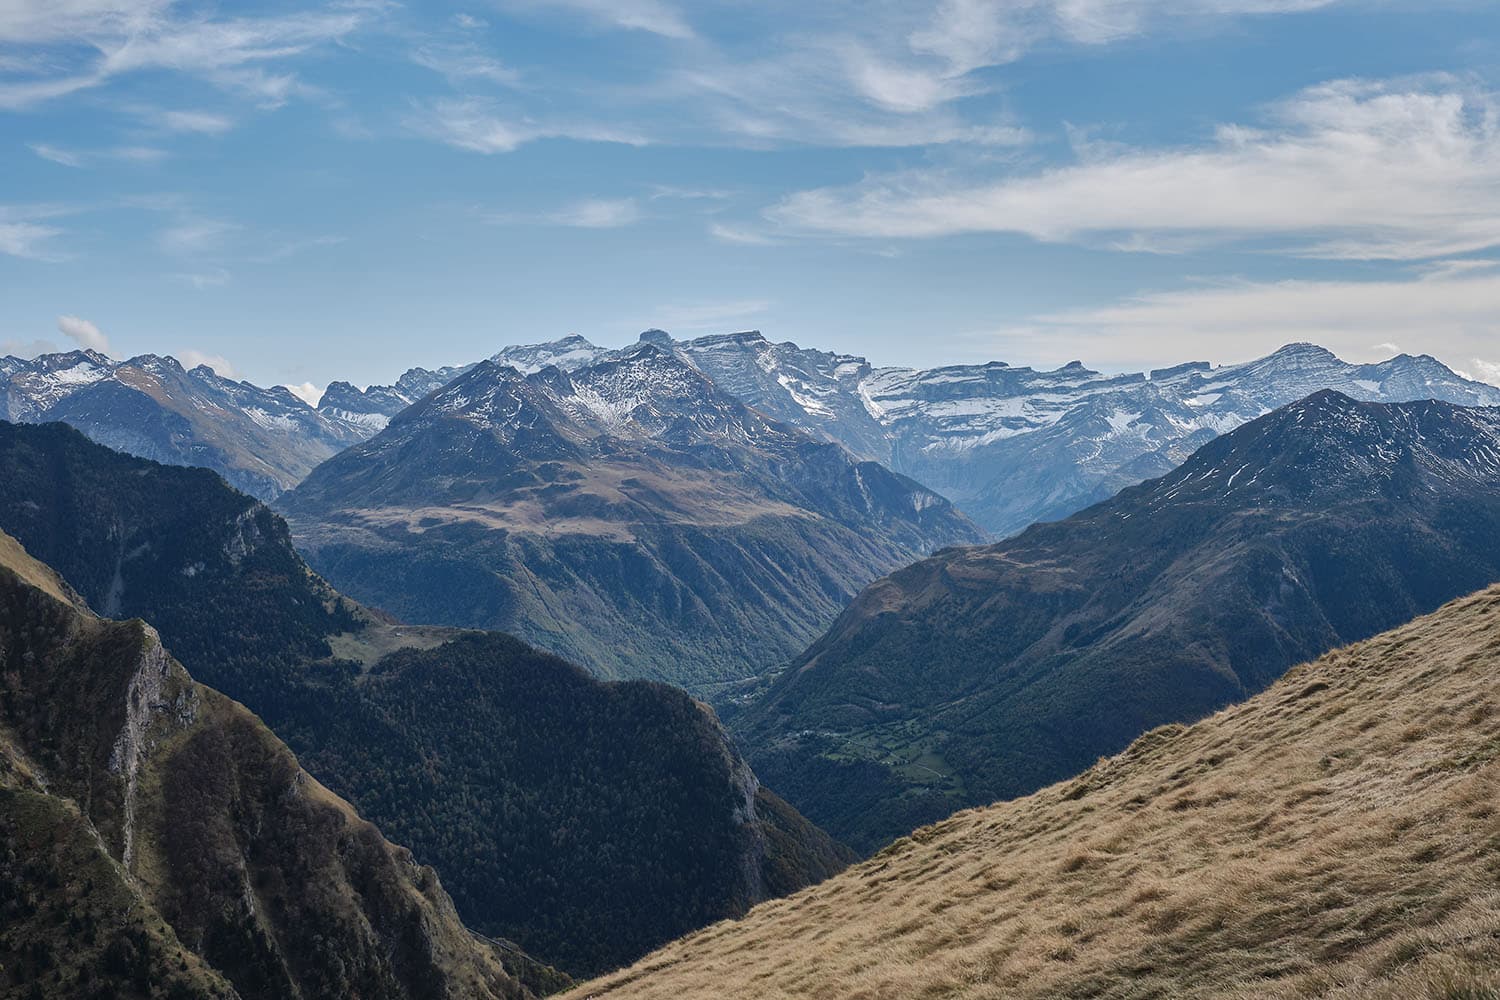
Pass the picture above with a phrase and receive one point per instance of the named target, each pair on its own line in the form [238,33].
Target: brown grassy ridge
[1337,836]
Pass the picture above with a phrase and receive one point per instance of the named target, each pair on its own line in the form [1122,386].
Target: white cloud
[898,87]
[201,122]
[651,16]
[1350,169]
[48,21]
[599,213]
[673,191]
[741,235]
[971,34]
[1487,371]
[137,154]
[81,158]
[461,63]
[83,333]
[1454,316]
[211,278]
[56,154]
[27,239]
[192,358]
[26,231]
[192,235]
[307,392]
[828,93]
[26,348]
[93,41]
[697,316]
[291,248]
[477,126]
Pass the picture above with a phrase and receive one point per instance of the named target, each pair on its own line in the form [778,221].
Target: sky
[301,192]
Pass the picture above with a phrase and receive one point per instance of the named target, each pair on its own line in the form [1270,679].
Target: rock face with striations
[985,673]
[157,840]
[630,515]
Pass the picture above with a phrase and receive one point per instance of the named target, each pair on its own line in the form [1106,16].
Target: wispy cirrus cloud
[29,231]
[974,34]
[56,154]
[90,42]
[742,235]
[654,17]
[1350,169]
[78,158]
[585,213]
[699,316]
[192,235]
[214,277]
[186,120]
[464,63]
[599,213]
[479,125]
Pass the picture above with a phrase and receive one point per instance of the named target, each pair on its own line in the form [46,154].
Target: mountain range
[1335,837]
[261,441]
[629,515]
[586,821]
[987,672]
[1009,445]
[157,841]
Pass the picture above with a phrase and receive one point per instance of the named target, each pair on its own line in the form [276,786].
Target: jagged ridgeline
[587,821]
[630,515]
[156,840]
[986,673]
[1012,445]
[1336,837]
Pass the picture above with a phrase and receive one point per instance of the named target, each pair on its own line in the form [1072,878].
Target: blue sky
[304,192]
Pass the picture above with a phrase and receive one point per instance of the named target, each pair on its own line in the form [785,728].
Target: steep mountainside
[630,515]
[986,673]
[587,821]
[1011,446]
[261,440]
[1336,837]
[157,840]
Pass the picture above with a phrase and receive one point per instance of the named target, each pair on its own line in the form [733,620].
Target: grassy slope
[1336,836]
[987,673]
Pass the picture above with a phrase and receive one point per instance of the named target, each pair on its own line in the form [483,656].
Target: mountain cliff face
[1336,837]
[1012,446]
[154,835]
[985,673]
[588,822]
[629,515]
[262,441]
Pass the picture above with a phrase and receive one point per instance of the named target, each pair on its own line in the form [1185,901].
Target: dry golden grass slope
[1337,836]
